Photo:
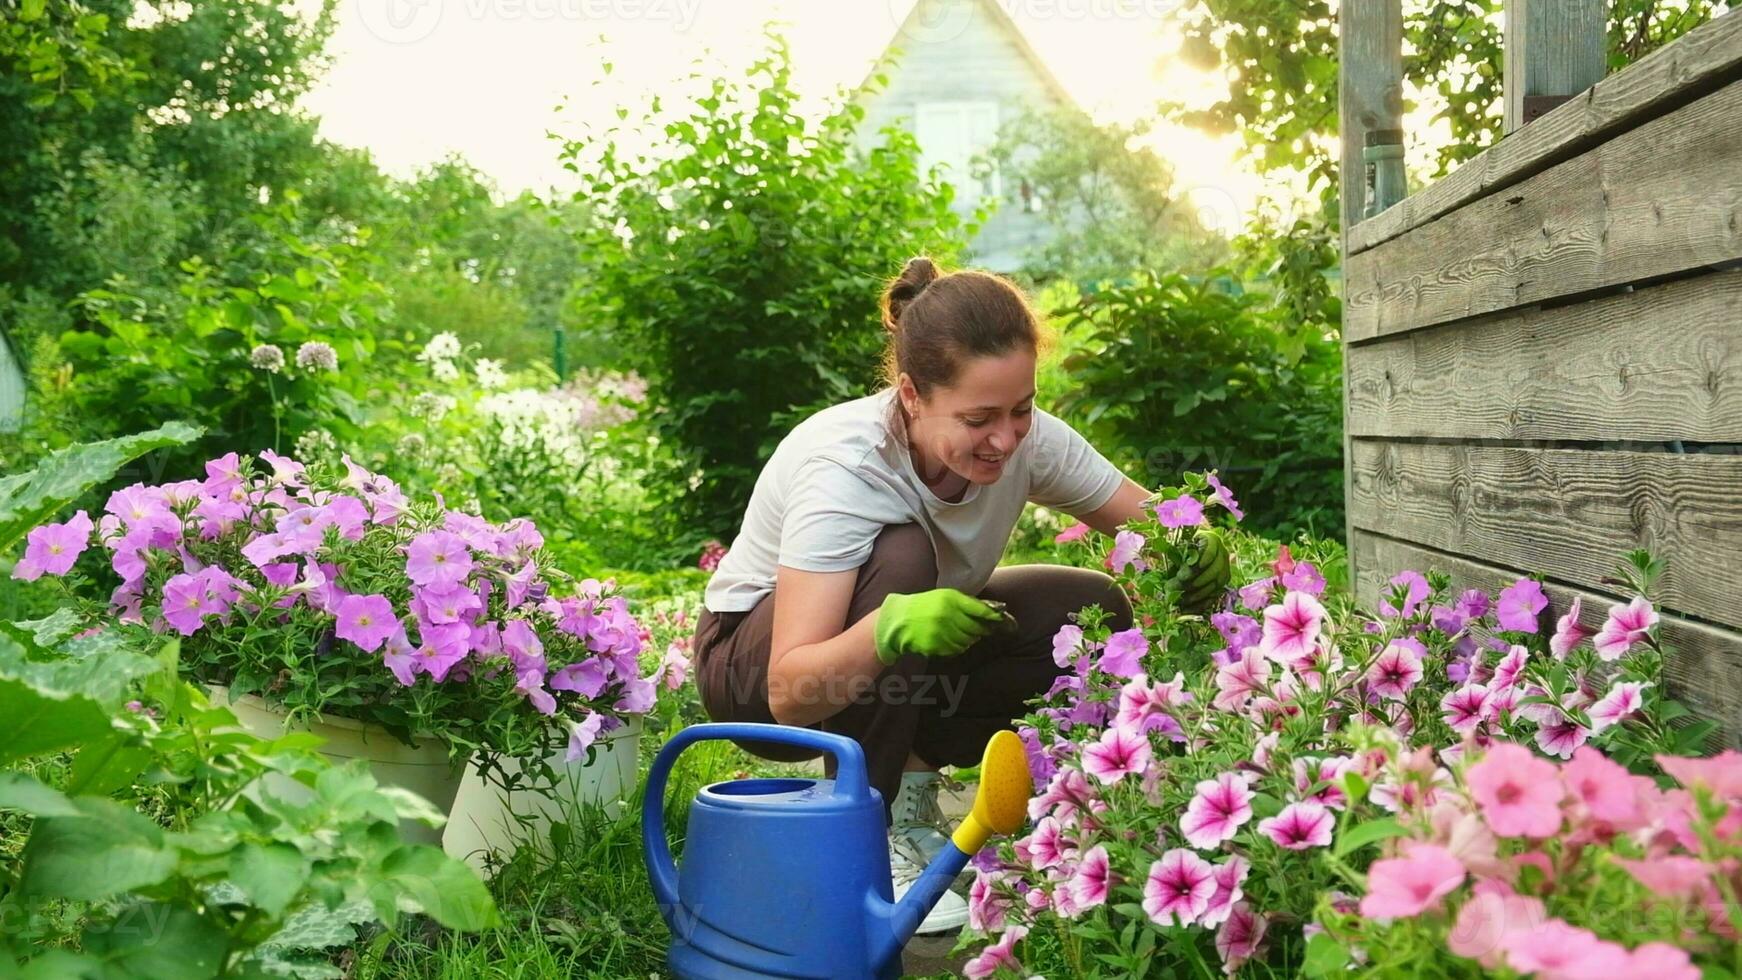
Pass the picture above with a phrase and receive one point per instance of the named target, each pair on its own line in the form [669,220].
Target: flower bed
[1293,784]
[330,591]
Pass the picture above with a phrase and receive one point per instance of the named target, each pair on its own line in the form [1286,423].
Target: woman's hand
[938,623]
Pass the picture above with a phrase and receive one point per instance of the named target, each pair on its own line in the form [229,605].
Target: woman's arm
[1125,505]
[818,662]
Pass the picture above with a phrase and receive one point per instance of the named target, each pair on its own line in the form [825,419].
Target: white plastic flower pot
[423,770]
[488,819]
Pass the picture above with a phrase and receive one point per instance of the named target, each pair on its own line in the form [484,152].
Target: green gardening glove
[939,623]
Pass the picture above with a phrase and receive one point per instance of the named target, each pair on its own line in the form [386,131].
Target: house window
[951,135]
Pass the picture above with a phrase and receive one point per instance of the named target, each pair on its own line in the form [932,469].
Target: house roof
[913,26]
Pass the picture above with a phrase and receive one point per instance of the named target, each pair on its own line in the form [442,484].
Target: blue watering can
[790,877]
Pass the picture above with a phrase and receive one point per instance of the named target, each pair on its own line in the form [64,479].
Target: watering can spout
[1000,806]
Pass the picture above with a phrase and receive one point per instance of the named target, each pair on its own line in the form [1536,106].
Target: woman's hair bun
[918,273]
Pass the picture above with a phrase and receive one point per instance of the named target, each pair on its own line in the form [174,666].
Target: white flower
[316,444]
[490,373]
[444,370]
[411,444]
[317,356]
[443,346]
[267,357]
[432,406]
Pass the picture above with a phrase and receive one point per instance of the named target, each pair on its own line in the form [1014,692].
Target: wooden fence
[1543,351]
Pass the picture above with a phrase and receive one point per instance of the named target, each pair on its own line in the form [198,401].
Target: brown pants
[941,710]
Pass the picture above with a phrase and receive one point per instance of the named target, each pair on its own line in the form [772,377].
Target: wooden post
[1370,97]
[1555,49]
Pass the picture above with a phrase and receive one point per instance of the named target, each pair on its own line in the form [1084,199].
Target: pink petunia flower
[530,683]
[1118,753]
[1238,938]
[1569,632]
[584,677]
[1326,774]
[186,602]
[1560,950]
[1093,879]
[1225,497]
[1396,669]
[1304,577]
[1123,655]
[1466,707]
[582,734]
[1045,849]
[1520,604]
[1561,736]
[1179,888]
[1519,795]
[1607,790]
[1415,591]
[366,620]
[1490,918]
[52,548]
[1065,644]
[1670,875]
[1510,668]
[1182,511]
[1076,532]
[1145,707]
[437,559]
[1661,961]
[1127,549]
[1217,811]
[1623,700]
[1625,626]
[1230,875]
[1401,888]
[1299,826]
[1000,955]
[1721,774]
[1291,628]
[1239,681]
[400,658]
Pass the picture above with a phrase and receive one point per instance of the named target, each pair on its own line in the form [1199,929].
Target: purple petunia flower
[1520,604]
[1182,511]
[367,620]
[437,558]
[52,548]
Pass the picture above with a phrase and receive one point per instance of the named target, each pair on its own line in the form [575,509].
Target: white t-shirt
[843,474]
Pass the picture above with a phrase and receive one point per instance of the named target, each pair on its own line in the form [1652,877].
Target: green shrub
[1174,374]
[739,272]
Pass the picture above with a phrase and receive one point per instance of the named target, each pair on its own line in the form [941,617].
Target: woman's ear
[909,395]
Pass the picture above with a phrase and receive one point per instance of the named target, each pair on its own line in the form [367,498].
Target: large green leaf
[108,764]
[99,667]
[21,792]
[29,499]
[39,723]
[271,875]
[155,941]
[446,889]
[106,850]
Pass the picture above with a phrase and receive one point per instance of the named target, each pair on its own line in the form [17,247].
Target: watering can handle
[850,784]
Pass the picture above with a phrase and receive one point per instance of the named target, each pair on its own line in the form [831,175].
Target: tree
[739,271]
[1111,204]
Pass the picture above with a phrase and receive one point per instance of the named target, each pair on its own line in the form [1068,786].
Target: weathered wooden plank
[1567,512]
[1369,87]
[1552,48]
[1655,365]
[1699,62]
[1369,97]
[1663,199]
[1703,661]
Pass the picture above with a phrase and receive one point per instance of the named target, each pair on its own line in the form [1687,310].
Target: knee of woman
[903,559]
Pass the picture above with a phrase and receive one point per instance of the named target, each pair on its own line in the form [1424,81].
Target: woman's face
[972,427]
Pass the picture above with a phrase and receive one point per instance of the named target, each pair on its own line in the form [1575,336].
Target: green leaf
[271,875]
[1324,956]
[30,499]
[39,722]
[446,889]
[32,10]
[156,941]
[110,763]
[21,792]
[106,850]
[1361,835]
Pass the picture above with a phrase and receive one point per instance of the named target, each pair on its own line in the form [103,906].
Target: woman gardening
[862,594]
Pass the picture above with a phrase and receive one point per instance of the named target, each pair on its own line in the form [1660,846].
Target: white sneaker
[915,815]
[906,864]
